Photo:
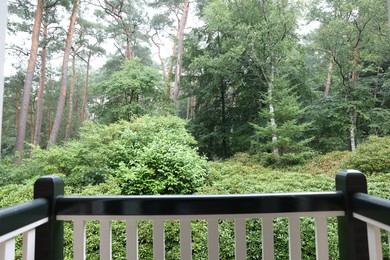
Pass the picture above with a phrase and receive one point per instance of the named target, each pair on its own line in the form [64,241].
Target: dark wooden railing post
[353,242]
[50,236]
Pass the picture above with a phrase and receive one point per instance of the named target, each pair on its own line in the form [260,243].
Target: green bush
[373,156]
[149,155]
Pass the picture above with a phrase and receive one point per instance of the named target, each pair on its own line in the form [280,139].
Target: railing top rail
[372,207]
[22,215]
[200,204]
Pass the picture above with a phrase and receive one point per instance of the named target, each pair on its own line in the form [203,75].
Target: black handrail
[375,208]
[200,204]
[18,216]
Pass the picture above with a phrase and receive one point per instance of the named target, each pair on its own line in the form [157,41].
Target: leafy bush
[330,163]
[150,155]
[373,156]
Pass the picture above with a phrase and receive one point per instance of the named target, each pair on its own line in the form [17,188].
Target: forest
[195,97]
[282,79]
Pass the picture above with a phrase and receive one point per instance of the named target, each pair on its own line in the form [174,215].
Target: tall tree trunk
[21,130]
[3,30]
[180,50]
[85,94]
[64,76]
[329,76]
[32,124]
[274,136]
[70,115]
[39,116]
[353,112]
[164,73]
[225,149]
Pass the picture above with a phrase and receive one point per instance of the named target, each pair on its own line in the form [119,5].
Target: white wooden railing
[25,227]
[360,217]
[267,220]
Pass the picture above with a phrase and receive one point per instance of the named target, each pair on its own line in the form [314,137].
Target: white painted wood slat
[185,240]
[158,240]
[213,238]
[79,240]
[267,238]
[240,238]
[28,249]
[294,233]
[105,240]
[374,242]
[322,246]
[7,250]
[388,241]
[132,239]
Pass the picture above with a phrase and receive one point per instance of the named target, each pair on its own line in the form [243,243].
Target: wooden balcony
[360,217]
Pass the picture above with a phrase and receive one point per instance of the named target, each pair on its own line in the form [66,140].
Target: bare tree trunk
[32,125]
[70,115]
[180,50]
[329,77]
[85,94]
[352,129]
[275,149]
[64,76]
[38,123]
[3,30]
[161,60]
[21,130]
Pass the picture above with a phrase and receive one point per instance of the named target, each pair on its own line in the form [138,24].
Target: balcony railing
[360,217]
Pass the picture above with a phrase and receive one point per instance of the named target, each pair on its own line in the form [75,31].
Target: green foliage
[328,164]
[133,90]
[370,157]
[150,155]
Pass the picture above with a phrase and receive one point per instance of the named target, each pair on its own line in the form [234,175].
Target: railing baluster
[185,240]
[28,252]
[213,239]
[267,237]
[79,239]
[158,240]
[388,241]
[374,242]
[240,238]
[294,233]
[105,240]
[132,239]
[7,249]
[321,225]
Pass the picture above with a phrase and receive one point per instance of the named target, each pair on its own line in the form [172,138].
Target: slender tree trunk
[21,130]
[3,30]
[70,115]
[64,76]
[223,120]
[329,77]
[129,51]
[38,123]
[17,96]
[32,124]
[353,112]
[85,94]
[160,59]
[352,129]
[180,50]
[388,11]
[275,149]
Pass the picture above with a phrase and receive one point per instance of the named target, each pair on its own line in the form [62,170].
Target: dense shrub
[330,163]
[150,155]
[373,156]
